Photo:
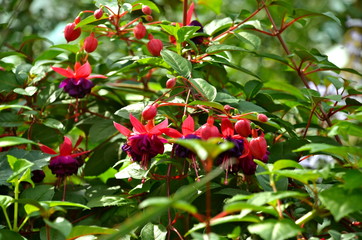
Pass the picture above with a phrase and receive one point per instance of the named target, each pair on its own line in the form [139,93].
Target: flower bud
[90,43]
[242,127]
[98,13]
[155,46]
[149,112]
[171,83]
[258,147]
[139,31]
[227,108]
[148,18]
[70,33]
[208,130]
[146,10]
[77,20]
[262,118]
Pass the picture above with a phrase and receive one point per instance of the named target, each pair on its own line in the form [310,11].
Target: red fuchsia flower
[229,159]
[71,33]
[66,162]
[90,43]
[154,46]
[77,83]
[144,142]
[208,130]
[139,31]
[188,132]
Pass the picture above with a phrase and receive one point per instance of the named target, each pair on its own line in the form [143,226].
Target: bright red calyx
[171,83]
[146,10]
[71,33]
[90,43]
[258,147]
[98,13]
[155,46]
[149,112]
[139,31]
[262,118]
[242,127]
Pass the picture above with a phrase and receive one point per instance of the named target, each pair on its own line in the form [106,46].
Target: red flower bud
[149,18]
[149,112]
[258,147]
[242,127]
[227,108]
[208,130]
[171,83]
[98,13]
[262,118]
[90,43]
[155,46]
[70,33]
[77,20]
[139,31]
[146,10]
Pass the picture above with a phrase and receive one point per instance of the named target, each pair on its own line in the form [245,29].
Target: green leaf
[341,202]
[39,193]
[251,88]
[153,232]
[106,201]
[245,107]
[264,180]
[101,160]
[69,47]
[64,203]
[82,230]
[60,224]
[284,163]
[5,201]
[208,149]
[302,175]
[6,234]
[151,4]
[186,32]
[53,123]
[214,49]
[181,65]
[214,5]
[2,107]
[204,88]
[272,229]
[343,151]
[19,166]
[217,25]
[215,105]
[239,206]
[28,91]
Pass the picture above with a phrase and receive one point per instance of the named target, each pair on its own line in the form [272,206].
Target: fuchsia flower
[229,160]
[208,130]
[188,132]
[68,159]
[77,83]
[144,142]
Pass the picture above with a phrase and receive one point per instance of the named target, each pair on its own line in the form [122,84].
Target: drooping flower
[242,127]
[139,31]
[65,163]
[198,39]
[71,33]
[77,83]
[149,112]
[188,132]
[90,43]
[146,10]
[229,160]
[144,142]
[154,46]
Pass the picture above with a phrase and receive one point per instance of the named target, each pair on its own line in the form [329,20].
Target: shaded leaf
[272,229]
